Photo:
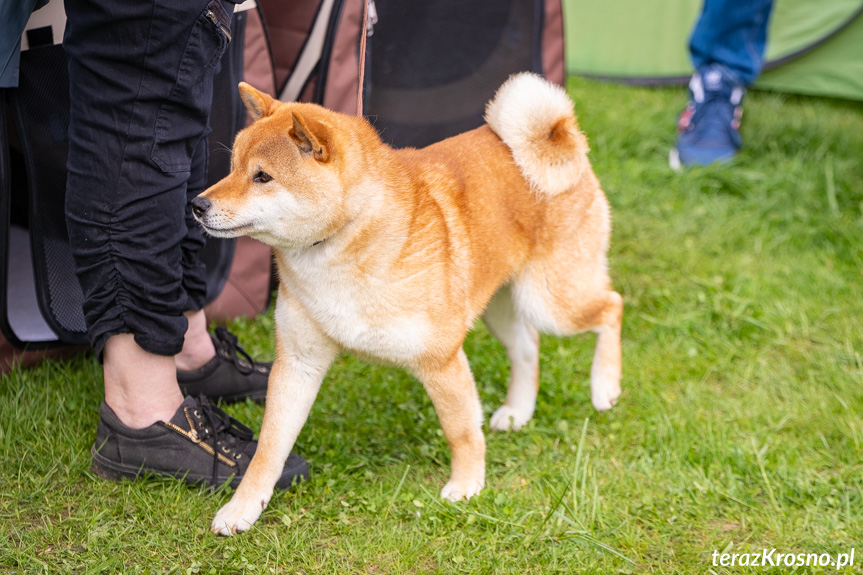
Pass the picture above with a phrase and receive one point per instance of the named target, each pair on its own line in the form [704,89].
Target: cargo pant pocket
[183,118]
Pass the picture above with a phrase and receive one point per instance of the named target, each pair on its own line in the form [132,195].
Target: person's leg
[141,76]
[140,98]
[141,387]
[732,33]
[727,49]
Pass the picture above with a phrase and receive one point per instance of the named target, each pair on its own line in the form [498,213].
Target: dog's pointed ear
[311,136]
[257,103]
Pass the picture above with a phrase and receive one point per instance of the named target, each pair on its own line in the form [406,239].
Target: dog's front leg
[303,355]
[456,401]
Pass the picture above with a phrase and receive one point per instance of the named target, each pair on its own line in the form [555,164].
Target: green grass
[740,426]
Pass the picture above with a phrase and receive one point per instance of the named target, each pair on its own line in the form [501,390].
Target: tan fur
[392,255]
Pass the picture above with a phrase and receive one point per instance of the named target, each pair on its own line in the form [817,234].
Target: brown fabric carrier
[553,65]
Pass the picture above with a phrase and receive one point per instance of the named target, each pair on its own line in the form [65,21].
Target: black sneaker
[201,444]
[230,376]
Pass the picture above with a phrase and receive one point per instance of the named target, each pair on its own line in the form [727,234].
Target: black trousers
[141,87]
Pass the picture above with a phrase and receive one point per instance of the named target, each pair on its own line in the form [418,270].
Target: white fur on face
[256,213]
[275,215]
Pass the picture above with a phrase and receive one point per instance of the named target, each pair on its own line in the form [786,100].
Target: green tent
[812,47]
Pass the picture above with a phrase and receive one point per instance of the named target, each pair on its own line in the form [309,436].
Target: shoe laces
[229,435]
[229,347]
[716,107]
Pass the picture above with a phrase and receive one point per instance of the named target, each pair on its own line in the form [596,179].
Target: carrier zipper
[211,16]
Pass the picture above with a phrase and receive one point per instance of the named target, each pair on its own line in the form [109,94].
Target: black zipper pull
[211,16]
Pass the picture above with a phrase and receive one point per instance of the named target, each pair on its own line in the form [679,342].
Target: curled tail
[535,119]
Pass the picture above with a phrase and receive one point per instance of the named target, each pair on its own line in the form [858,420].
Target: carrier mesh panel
[432,66]
[42,117]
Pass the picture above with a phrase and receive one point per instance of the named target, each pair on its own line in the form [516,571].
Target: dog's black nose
[200,206]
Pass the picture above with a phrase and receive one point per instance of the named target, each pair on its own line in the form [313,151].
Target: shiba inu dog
[392,255]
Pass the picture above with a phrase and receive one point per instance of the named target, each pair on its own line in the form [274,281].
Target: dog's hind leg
[303,356]
[452,390]
[521,342]
[605,371]
[564,300]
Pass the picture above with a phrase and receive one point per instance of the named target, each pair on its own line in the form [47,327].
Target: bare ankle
[140,387]
[198,348]
[138,415]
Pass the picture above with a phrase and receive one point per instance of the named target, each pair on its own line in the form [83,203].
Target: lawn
[739,429]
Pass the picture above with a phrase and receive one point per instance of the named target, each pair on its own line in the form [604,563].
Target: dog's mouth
[231,232]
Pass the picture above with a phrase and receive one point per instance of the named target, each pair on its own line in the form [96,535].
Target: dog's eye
[262,177]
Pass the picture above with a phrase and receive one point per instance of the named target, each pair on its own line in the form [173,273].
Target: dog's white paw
[236,517]
[461,490]
[506,418]
[605,393]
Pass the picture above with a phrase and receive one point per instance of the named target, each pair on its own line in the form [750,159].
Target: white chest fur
[363,313]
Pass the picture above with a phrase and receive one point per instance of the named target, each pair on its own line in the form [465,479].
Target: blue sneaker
[709,126]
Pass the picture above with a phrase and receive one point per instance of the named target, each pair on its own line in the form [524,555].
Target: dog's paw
[236,517]
[605,394]
[461,490]
[506,418]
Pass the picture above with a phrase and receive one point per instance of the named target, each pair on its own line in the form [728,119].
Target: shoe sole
[112,471]
[674,160]
[676,164]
